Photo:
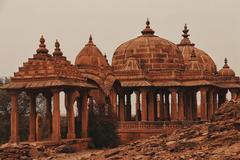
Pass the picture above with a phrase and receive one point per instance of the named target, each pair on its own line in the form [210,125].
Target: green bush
[103,130]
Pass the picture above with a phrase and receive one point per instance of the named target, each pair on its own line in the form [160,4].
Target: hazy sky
[214,26]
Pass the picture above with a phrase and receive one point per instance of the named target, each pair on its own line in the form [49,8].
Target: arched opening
[228,95]
[133,106]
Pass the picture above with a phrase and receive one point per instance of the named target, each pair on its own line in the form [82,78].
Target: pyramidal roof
[45,70]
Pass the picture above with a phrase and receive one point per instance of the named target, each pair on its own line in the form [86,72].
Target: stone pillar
[49,114]
[194,106]
[70,97]
[161,105]
[203,103]
[32,118]
[210,104]
[166,107]
[14,118]
[144,105]
[180,106]
[151,114]
[214,101]
[38,122]
[173,104]
[84,131]
[121,107]
[129,109]
[114,101]
[189,101]
[56,132]
[138,111]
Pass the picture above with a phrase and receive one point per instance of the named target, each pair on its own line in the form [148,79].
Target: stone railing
[133,125]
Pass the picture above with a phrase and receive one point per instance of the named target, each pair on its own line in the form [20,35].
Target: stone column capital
[173,89]
[13,92]
[203,89]
[54,90]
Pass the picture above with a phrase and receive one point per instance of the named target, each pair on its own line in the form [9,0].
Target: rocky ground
[216,140]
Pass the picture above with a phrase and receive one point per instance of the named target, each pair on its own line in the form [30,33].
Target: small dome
[193,64]
[226,71]
[90,55]
[150,51]
[204,60]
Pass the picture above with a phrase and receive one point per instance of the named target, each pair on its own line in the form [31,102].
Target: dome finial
[42,47]
[148,30]
[186,40]
[225,60]
[57,52]
[185,31]
[90,39]
[147,22]
[225,63]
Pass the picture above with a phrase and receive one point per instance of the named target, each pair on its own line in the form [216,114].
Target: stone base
[129,136]
[130,130]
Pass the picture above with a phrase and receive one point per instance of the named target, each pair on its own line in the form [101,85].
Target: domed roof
[150,51]
[90,55]
[226,71]
[202,57]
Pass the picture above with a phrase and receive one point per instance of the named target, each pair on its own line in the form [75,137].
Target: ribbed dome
[202,57]
[150,51]
[226,71]
[90,55]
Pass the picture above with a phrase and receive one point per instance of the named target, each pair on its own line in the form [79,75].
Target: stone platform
[133,130]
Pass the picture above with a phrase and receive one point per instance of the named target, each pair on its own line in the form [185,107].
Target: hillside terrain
[215,140]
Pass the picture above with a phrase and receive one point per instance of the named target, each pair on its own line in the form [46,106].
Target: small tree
[103,129]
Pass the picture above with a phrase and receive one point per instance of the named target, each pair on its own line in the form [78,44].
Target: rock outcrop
[215,140]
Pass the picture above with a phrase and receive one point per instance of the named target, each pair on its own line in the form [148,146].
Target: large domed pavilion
[170,84]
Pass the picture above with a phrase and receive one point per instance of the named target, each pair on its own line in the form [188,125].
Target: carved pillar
[173,104]
[180,106]
[138,111]
[151,114]
[56,132]
[203,103]
[38,122]
[121,107]
[70,99]
[114,101]
[84,132]
[144,105]
[49,114]
[189,100]
[14,118]
[194,106]
[210,104]
[161,105]
[166,107]
[32,118]
[214,101]
[129,109]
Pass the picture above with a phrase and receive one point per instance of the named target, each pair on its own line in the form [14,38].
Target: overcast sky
[214,26]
